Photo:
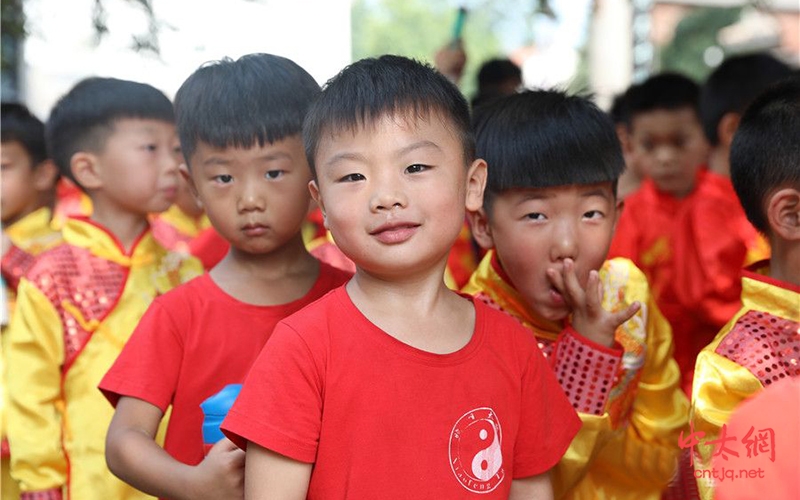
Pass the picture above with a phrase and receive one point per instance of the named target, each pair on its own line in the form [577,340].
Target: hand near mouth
[589,318]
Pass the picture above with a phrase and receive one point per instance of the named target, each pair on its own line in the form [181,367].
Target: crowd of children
[623,285]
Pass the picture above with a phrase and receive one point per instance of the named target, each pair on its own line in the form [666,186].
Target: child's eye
[593,214]
[413,169]
[352,178]
[274,174]
[150,147]
[535,216]
[223,179]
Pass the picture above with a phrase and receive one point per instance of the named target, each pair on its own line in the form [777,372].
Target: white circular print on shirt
[476,456]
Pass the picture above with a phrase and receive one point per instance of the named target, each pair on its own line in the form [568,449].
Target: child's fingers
[621,317]
[594,292]
[572,286]
[556,279]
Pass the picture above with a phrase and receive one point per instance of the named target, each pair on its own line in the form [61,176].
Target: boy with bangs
[394,386]
[684,227]
[546,222]
[79,302]
[239,123]
[759,346]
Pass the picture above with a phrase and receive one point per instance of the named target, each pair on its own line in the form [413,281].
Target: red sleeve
[209,247]
[548,423]
[150,362]
[625,240]
[284,385]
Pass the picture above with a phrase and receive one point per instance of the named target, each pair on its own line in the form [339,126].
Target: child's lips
[255,229]
[395,232]
[170,192]
[556,297]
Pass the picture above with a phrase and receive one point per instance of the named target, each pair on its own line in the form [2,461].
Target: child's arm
[274,476]
[589,318]
[34,357]
[530,488]
[133,455]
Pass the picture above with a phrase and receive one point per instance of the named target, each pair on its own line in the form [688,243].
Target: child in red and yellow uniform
[760,345]
[79,302]
[547,221]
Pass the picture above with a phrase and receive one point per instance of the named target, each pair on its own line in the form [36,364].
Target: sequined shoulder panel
[15,264]
[546,345]
[83,289]
[767,345]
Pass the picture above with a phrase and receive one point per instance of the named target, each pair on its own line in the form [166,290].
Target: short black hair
[257,99]
[619,108]
[492,76]
[734,84]
[368,89]
[84,118]
[18,124]
[664,91]
[545,138]
[765,152]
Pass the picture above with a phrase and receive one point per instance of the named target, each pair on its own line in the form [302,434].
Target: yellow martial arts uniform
[76,307]
[174,229]
[628,396]
[29,236]
[759,346]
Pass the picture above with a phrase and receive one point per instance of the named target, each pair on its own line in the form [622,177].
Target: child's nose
[565,243]
[387,196]
[251,200]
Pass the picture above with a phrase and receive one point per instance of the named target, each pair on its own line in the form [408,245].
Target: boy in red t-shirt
[395,386]
[239,123]
[684,228]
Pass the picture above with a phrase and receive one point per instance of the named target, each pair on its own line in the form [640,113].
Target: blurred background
[597,46]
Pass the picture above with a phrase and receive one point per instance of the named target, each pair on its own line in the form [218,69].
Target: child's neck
[127,227]
[419,311]
[277,277]
[785,262]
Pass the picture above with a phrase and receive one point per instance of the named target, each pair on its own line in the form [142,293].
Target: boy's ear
[317,197]
[187,176]
[618,212]
[476,183]
[727,126]
[45,175]
[86,170]
[783,214]
[481,228]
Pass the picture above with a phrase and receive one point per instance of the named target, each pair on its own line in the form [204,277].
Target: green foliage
[694,34]
[418,28]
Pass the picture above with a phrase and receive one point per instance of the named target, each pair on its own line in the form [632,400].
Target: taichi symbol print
[476,455]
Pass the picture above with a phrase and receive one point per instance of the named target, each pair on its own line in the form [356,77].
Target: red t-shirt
[192,342]
[381,419]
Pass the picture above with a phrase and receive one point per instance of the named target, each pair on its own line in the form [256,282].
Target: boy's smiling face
[257,198]
[533,230]
[394,192]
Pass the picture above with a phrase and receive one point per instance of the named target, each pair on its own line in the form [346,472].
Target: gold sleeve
[34,358]
[636,460]
[720,385]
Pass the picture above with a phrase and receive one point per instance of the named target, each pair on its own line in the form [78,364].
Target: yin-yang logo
[476,456]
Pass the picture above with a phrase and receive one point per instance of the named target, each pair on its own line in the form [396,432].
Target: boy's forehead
[600,189]
[287,146]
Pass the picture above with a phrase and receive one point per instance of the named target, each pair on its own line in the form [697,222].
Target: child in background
[239,123]
[79,302]
[684,227]
[726,93]
[28,191]
[760,345]
[547,221]
[176,227]
[394,386]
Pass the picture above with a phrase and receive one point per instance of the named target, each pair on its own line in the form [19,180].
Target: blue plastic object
[215,408]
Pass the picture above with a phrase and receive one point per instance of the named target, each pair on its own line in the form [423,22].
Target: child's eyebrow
[221,161]
[417,145]
[595,192]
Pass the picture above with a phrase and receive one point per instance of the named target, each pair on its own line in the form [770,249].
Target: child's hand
[589,318]
[220,476]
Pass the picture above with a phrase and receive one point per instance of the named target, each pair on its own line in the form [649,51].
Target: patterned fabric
[75,310]
[758,347]
[630,402]
[54,494]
